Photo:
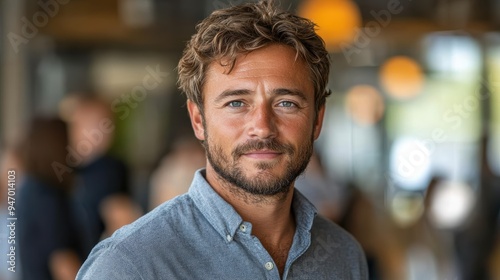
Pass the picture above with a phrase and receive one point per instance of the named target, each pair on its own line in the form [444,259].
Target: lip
[263,154]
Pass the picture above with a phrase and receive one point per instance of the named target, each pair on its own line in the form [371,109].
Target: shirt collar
[222,216]
[304,211]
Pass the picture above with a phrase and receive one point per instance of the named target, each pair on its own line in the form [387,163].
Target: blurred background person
[99,175]
[174,174]
[116,211]
[49,245]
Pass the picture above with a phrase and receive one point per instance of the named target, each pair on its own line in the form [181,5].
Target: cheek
[301,137]
[223,131]
[299,129]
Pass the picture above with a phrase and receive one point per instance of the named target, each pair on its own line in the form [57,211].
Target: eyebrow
[286,91]
[229,93]
[278,91]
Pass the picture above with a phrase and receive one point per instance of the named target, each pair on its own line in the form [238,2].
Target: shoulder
[333,254]
[172,215]
[323,224]
[335,240]
[155,235]
[327,232]
[108,261]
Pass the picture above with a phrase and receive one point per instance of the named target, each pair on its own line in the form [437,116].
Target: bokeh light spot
[337,20]
[401,77]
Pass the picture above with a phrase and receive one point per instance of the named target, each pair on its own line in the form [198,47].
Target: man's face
[259,121]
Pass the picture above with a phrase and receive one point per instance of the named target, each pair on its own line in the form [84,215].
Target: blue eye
[287,104]
[235,104]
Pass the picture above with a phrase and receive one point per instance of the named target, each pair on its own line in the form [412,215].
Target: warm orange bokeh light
[401,77]
[365,104]
[337,20]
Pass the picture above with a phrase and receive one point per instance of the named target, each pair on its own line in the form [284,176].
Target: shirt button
[269,265]
[229,238]
[243,228]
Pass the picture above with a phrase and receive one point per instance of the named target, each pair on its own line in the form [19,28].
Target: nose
[262,122]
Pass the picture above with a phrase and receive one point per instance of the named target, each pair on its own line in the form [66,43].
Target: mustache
[255,145]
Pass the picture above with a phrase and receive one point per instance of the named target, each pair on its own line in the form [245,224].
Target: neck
[272,219]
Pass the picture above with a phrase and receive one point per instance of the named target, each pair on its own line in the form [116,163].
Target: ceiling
[167,24]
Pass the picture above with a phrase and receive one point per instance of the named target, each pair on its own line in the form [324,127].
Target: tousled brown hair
[228,33]
[44,145]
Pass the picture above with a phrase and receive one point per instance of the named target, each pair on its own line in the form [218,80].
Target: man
[100,175]
[256,85]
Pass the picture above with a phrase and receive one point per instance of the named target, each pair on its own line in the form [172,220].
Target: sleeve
[356,258]
[363,266]
[108,262]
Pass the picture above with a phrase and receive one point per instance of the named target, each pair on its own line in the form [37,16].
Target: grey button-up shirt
[199,235]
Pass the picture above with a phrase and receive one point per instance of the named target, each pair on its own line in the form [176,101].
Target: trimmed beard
[265,183]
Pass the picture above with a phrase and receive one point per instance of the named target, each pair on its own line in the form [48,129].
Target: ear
[319,122]
[196,120]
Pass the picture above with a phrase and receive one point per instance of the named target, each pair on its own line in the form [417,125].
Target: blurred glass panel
[351,147]
[454,55]
[447,107]
[493,68]
[436,132]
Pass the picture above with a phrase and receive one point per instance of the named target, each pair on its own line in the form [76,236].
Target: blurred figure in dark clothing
[475,242]
[91,126]
[48,241]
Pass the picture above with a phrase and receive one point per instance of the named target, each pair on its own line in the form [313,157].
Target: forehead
[278,63]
